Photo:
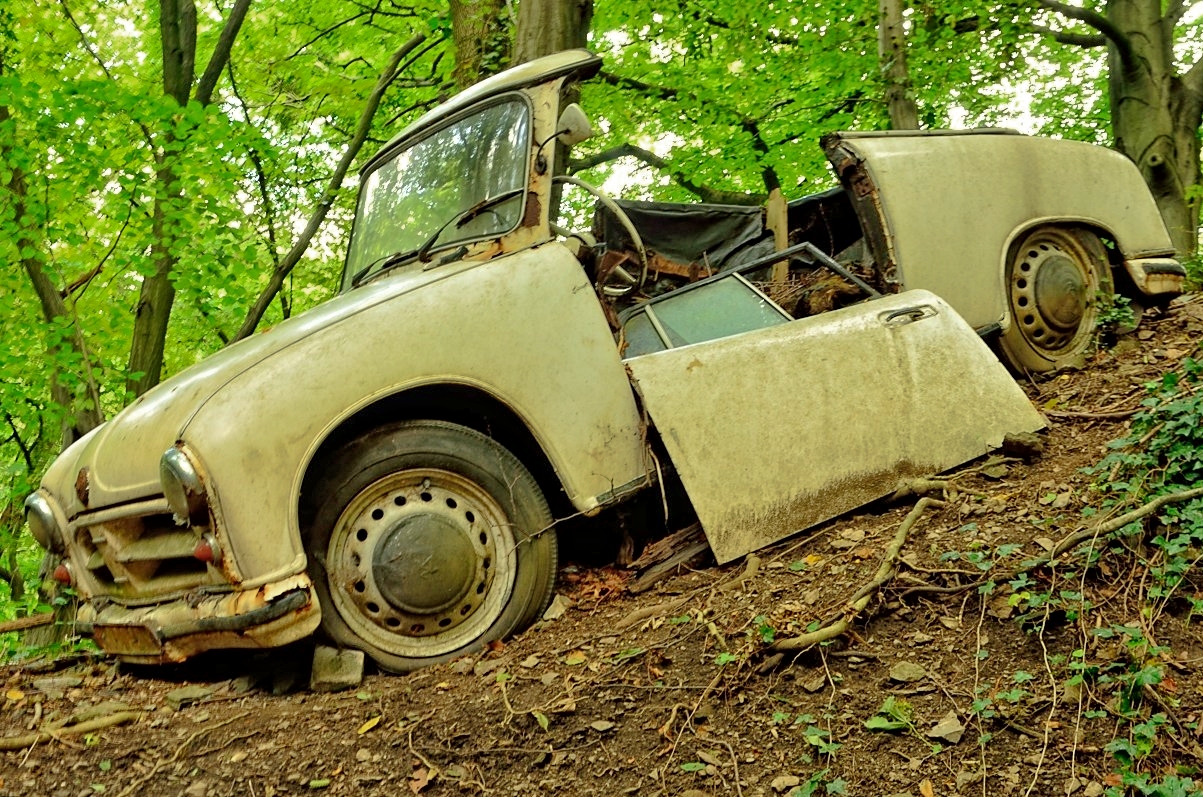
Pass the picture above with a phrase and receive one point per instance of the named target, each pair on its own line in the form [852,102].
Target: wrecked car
[393,465]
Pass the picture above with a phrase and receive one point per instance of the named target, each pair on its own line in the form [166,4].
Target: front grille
[143,554]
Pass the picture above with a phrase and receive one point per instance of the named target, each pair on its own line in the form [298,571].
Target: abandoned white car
[392,465]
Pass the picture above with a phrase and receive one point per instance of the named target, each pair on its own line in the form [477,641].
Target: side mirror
[573,127]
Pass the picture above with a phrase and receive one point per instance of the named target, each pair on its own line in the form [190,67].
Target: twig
[885,572]
[639,615]
[37,737]
[1118,415]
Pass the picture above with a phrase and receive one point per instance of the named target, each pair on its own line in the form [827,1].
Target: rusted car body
[392,465]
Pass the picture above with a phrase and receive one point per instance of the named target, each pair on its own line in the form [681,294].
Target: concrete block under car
[335,670]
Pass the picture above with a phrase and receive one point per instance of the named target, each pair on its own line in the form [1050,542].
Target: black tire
[1054,279]
[426,540]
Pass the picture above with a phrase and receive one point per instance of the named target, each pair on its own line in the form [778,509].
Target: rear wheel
[1054,279]
[426,540]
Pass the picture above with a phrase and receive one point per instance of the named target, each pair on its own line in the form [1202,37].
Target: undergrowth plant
[1161,454]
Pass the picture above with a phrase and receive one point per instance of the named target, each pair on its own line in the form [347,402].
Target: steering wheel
[619,281]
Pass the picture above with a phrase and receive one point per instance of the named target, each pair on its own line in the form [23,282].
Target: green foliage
[895,714]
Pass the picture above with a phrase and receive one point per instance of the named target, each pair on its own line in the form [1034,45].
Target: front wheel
[1054,279]
[427,540]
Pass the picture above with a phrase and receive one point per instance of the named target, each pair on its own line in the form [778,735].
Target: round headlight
[181,485]
[39,514]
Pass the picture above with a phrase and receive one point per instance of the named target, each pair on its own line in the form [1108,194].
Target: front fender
[526,329]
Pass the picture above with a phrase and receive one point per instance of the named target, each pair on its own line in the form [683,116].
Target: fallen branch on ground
[858,602]
[37,737]
[1118,523]
[32,621]
[1070,541]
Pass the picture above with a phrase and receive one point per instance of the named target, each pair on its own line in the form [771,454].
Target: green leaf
[880,722]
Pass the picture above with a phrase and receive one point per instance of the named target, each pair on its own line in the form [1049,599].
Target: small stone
[335,670]
[186,696]
[966,777]
[199,788]
[907,672]
[601,726]
[1024,445]
[815,683]
[529,662]
[363,755]
[547,679]
[920,638]
[1072,784]
[950,728]
[1093,789]
[784,782]
[1045,543]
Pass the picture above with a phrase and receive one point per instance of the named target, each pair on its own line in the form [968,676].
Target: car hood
[119,462]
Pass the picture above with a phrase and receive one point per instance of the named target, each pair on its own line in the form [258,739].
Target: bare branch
[82,282]
[1177,9]
[1076,39]
[1094,19]
[221,53]
[333,186]
[323,33]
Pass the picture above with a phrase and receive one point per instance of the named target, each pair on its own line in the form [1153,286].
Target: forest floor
[938,688]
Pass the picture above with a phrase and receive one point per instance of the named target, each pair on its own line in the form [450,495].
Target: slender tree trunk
[177,29]
[891,51]
[1155,114]
[478,32]
[548,26]
[81,408]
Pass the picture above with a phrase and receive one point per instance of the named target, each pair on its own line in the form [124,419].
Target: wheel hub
[423,564]
[1061,292]
[417,555]
[1049,295]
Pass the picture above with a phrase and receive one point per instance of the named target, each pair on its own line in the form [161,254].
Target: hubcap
[1049,293]
[421,562]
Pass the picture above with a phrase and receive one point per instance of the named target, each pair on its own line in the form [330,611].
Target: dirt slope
[676,691]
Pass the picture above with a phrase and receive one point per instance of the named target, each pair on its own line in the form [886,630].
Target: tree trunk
[891,52]
[81,408]
[177,29]
[1155,114]
[549,26]
[478,32]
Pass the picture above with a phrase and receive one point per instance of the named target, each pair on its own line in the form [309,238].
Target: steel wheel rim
[421,562]
[1051,290]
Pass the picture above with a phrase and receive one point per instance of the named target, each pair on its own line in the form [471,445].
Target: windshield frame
[353,278]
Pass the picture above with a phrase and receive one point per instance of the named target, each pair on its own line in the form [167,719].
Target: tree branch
[1192,81]
[1076,39]
[1123,46]
[221,53]
[705,193]
[333,186]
